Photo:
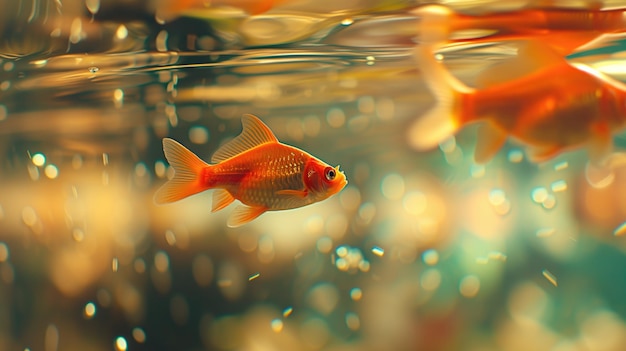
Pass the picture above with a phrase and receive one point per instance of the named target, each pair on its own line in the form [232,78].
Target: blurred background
[421,251]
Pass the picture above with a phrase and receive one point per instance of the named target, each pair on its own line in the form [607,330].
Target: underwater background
[421,251]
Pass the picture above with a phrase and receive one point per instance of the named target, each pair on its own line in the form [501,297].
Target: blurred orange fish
[564,30]
[551,105]
[254,168]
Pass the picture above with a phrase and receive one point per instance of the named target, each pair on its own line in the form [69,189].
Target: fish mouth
[344,180]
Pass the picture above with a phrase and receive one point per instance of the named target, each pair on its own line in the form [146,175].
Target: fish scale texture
[255,176]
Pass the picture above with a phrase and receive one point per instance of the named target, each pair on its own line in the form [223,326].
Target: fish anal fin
[187,169]
[221,199]
[489,141]
[244,214]
[254,133]
[297,193]
[532,56]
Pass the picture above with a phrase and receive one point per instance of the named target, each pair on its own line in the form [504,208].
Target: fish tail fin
[188,168]
[443,119]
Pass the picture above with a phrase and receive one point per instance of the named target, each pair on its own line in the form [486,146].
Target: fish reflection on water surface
[537,97]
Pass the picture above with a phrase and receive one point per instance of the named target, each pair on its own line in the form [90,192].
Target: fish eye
[330,173]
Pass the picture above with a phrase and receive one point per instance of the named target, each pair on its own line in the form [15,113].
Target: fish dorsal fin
[254,133]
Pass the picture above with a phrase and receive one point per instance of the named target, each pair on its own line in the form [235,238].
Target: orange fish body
[254,168]
[549,105]
[565,30]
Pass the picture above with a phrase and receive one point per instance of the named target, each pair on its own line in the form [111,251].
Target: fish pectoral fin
[298,193]
[221,199]
[489,141]
[244,214]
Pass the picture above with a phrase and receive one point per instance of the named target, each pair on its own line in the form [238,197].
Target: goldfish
[550,105]
[254,168]
[564,30]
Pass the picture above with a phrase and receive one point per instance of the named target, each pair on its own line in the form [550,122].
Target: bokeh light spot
[392,186]
[539,194]
[469,286]
[277,325]
[139,335]
[352,321]
[38,159]
[198,135]
[90,310]
[51,171]
[430,279]
[161,261]
[121,344]
[430,257]
[4,252]
[414,203]
[356,294]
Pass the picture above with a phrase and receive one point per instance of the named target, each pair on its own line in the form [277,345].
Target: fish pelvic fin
[187,177]
[443,119]
[221,199]
[244,214]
